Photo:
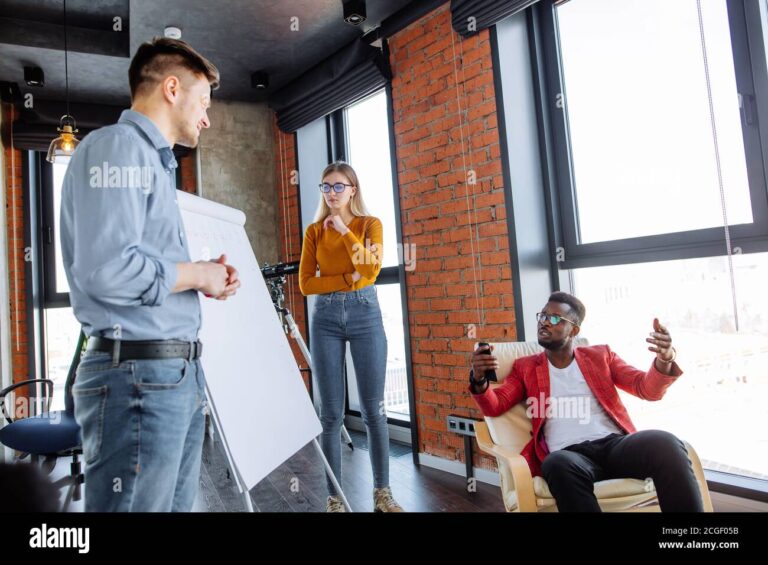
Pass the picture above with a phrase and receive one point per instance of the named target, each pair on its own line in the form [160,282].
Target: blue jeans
[142,427]
[352,316]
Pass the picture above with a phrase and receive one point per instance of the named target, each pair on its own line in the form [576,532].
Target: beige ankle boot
[383,501]
[335,504]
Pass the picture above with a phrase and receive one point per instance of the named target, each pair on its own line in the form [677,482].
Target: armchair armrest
[522,481]
[14,386]
[698,470]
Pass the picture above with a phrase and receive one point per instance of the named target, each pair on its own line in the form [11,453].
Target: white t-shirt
[573,413]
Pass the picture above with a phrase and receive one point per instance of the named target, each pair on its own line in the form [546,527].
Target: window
[368,142]
[61,333]
[653,155]
[396,385]
[60,284]
[60,328]
[643,160]
[648,166]
[368,149]
[718,405]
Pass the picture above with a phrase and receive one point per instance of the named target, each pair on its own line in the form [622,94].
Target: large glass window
[61,284]
[656,110]
[396,386]
[654,113]
[369,152]
[638,112]
[61,328]
[61,333]
[718,404]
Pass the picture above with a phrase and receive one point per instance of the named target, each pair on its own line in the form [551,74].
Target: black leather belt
[134,349]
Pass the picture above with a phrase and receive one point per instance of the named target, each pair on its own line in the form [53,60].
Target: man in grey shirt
[140,389]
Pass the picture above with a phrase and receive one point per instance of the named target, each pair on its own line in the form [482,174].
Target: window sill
[737,485]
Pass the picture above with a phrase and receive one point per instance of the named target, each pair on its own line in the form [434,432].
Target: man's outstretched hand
[661,345]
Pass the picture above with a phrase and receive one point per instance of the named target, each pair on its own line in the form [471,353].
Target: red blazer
[603,371]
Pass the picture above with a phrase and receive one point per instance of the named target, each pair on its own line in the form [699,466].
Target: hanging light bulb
[64,145]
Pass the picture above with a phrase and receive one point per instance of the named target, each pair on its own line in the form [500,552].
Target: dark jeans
[572,472]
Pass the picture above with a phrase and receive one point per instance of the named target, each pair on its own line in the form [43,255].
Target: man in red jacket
[582,432]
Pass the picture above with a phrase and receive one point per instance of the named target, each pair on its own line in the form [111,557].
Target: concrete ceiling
[238,36]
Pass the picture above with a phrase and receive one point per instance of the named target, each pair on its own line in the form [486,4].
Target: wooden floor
[299,484]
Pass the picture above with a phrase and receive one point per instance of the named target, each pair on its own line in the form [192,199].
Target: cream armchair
[505,436]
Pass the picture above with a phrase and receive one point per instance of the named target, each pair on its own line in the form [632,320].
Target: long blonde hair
[356,203]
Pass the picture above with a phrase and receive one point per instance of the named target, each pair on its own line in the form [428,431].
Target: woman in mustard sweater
[345,244]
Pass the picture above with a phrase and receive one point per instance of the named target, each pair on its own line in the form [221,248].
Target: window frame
[47,245]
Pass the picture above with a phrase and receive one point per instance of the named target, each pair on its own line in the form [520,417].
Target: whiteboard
[262,406]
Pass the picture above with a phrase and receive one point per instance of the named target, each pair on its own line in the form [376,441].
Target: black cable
[66,63]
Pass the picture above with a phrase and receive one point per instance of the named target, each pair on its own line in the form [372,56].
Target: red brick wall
[187,165]
[289,227]
[14,212]
[462,280]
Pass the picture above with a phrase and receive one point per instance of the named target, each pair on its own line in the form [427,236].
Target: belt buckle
[195,350]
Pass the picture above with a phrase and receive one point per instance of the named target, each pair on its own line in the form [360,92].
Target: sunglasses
[554,319]
[337,187]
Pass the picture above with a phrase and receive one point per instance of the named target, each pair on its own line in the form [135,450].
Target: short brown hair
[154,59]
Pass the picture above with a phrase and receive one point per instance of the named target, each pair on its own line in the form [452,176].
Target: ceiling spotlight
[34,76]
[260,80]
[354,11]
[172,32]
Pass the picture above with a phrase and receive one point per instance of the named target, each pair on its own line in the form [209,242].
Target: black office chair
[50,435]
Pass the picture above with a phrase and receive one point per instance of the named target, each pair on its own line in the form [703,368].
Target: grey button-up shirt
[122,235]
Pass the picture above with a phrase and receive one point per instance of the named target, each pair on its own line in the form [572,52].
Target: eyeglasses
[337,187]
[554,319]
